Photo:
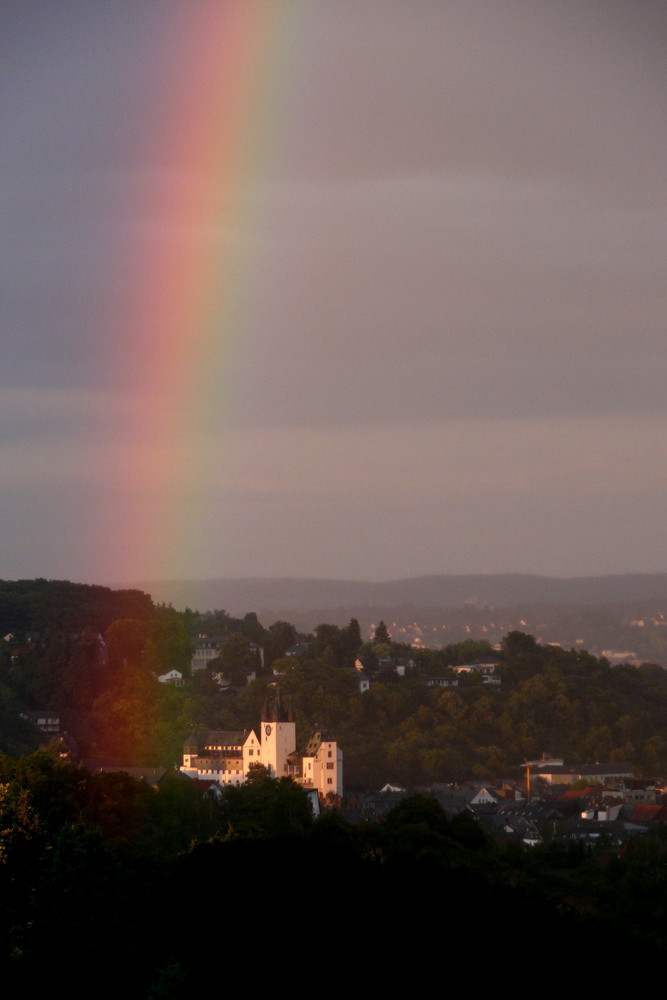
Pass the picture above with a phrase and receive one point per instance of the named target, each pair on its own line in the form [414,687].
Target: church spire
[274,711]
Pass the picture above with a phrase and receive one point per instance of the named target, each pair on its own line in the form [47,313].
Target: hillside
[279,597]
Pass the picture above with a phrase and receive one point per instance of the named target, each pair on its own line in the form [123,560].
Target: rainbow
[189,287]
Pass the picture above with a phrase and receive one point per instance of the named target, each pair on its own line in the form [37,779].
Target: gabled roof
[577,793]
[648,814]
[315,740]
[207,786]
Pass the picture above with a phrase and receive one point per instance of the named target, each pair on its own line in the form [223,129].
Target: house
[298,649]
[172,677]
[320,765]
[487,671]
[207,648]
[484,797]
[226,756]
[648,814]
[46,721]
[363,677]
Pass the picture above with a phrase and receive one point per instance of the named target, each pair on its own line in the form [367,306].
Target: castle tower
[278,733]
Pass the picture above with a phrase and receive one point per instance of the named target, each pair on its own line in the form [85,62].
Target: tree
[381,634]
[267,807]
[352,638]
[522,655]
[253,629]
[237,659]
[19,825]
[127,639]
[282,635]
[257,773]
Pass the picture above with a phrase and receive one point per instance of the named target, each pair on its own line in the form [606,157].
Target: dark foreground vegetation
[106,882]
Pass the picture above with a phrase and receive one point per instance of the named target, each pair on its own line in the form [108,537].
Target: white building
[487,671]
[208,647]
[173,677]
[226,756]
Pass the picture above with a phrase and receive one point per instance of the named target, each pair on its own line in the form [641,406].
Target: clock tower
[278,733]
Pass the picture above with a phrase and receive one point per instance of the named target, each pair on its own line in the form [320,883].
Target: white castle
[226,756]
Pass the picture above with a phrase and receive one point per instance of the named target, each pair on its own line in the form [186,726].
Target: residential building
[487,671]
[207,648]
[172,677]
[47,722]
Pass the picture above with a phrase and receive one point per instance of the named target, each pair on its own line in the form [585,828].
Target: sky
[348,289]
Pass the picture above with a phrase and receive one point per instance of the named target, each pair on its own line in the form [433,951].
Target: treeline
[48,606]
[105,880]
[101,677]
[564,703]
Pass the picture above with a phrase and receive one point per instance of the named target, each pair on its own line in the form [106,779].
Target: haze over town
[348,290]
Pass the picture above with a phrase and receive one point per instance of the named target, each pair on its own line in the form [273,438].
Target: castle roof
[274,710]
[315,740]
[214,738]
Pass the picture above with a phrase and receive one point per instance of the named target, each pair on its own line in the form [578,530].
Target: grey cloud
[457,214]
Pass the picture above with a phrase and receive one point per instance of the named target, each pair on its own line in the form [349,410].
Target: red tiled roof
[648,814]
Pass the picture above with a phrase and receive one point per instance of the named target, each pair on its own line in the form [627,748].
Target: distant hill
[328,600]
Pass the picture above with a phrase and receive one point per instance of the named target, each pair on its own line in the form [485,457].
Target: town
[135,686]
[202,757]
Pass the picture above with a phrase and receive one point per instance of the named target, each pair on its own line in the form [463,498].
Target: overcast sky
[345,289]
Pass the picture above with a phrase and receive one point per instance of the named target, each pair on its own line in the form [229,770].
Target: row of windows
[204,770]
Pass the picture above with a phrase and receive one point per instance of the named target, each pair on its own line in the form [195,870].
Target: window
[329,781]
[329,767]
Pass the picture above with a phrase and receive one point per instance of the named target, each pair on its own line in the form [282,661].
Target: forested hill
[103,684]
[48,605]
[51,605]
[285,597]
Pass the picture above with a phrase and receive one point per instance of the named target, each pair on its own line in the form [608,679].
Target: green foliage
[237,659]
[281,635]
[381,635]
[568,703]
[55,605]
[266,808]
[353,638]
[468,651]
[257,773]
[19,826]
[127,640]
[169,645]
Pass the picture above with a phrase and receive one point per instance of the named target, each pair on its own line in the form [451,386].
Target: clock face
[267,730]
